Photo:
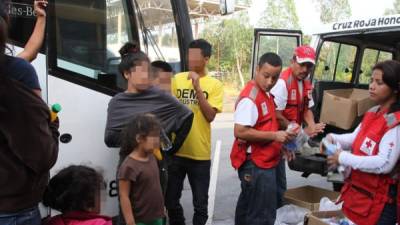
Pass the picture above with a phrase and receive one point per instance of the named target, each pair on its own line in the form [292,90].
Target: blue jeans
[29,216]
[389,213]
[257,201]
[281,182]
[198,172]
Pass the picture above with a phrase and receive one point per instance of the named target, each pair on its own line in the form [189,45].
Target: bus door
[22,22]
[84,37]
[281,42]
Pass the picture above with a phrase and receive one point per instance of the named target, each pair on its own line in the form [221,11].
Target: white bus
[77,66]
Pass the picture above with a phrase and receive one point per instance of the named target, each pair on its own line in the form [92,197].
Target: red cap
[304,54]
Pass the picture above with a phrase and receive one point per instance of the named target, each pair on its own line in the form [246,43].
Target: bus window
[87,37]
[22,21]
[158,31]
[335,62]
[370,58]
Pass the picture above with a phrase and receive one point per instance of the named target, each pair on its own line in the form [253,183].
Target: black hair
[141,124]
[131,56]
[3,29]
[162,65]
[391,77]
[73,189]
[270,58]
[205,46]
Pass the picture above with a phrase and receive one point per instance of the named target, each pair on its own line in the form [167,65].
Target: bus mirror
[227,6]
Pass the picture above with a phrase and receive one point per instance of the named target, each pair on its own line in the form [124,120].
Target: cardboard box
[309,196]
[342,107]
[315,218]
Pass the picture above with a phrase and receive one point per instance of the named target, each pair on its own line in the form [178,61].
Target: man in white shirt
[293,98]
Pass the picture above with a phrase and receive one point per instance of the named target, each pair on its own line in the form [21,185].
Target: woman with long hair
[369,193]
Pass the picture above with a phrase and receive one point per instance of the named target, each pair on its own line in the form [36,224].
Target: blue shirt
[20,70]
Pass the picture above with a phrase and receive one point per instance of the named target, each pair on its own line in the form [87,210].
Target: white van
[346,52]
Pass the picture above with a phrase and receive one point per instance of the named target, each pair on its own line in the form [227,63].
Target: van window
[281,45]
[87,37]
[370,58]
[335,62]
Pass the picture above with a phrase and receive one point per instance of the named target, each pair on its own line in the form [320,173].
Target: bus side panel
[83,116]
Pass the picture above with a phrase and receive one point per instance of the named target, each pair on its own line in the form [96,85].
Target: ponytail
[131,56]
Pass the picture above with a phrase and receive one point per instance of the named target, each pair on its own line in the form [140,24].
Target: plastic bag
[290,215]
[326,204]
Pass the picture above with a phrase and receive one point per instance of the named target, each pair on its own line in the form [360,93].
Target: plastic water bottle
[165,143]
[291,145]
[55,109]
[330,148]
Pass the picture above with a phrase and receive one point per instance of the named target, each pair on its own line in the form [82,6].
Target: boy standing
[257,149]
[203,95]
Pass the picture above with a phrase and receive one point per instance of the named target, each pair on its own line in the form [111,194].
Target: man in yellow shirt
[203,95]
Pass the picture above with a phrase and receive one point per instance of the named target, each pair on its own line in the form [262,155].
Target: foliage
[232,44]
[395,9]
[333,10]
[279,14]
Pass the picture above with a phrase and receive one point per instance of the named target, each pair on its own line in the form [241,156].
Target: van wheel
[337,186]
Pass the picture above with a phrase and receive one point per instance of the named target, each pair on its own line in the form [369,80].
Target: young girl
[369,194]
[140,192]
[75,192]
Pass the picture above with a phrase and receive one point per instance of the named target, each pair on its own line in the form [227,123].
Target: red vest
[264,155]
[364,195]
[296,104]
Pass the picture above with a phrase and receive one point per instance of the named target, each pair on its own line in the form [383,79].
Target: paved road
[227,185]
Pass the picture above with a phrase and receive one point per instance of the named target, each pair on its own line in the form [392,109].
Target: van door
[281,42]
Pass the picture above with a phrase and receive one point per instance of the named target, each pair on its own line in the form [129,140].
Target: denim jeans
[29,216]
[257,201]
[389,213]
[281,182]
[198,172]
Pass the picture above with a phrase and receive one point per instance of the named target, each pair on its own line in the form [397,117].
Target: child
[140,192]
[75,192]
[162,74]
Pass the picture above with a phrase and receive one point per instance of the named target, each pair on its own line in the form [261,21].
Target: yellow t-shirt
[197,145]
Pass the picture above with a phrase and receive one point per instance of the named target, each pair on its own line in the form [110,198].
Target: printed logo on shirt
[264,108]
[189,96]
[293,95]
[368,146]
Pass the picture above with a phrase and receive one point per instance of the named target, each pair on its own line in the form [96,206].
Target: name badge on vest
[368,146]
[264,108]
[293,95]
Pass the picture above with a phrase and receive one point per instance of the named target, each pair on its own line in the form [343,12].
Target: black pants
[198,172]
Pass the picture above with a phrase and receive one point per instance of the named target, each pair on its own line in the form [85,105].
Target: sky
[309,16]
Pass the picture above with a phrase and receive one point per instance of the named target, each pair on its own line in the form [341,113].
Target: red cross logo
[369,144]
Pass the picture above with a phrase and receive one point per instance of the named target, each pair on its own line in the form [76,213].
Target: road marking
[213,182]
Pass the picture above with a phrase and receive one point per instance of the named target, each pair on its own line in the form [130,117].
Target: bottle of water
[165,143]
[291,145]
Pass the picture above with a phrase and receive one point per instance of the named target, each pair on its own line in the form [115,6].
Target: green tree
[395,9]
[232,41]
[279,14]
[333,10]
